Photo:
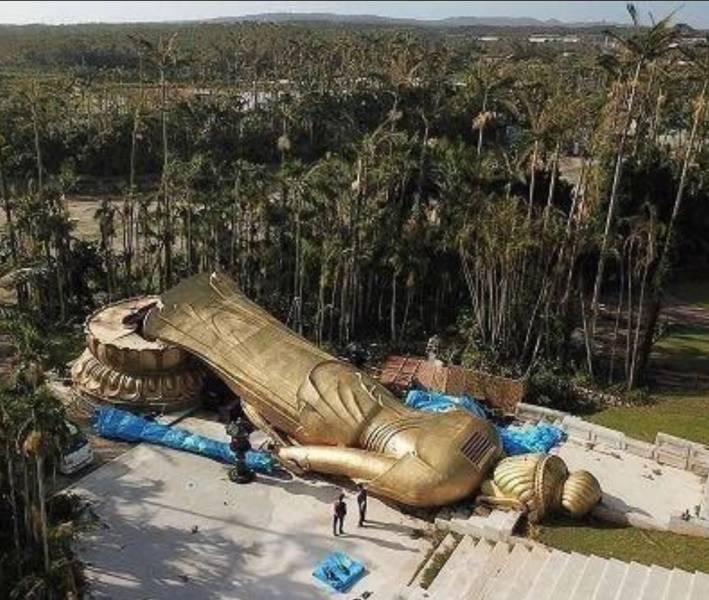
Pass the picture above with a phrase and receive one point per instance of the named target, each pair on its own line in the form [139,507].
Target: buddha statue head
[540,484]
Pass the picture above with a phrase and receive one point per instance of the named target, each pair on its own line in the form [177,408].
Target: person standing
[338,516]
[362,503]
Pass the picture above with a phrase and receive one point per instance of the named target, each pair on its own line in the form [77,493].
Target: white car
[78,453]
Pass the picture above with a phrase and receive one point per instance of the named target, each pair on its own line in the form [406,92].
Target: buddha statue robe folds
[328,416]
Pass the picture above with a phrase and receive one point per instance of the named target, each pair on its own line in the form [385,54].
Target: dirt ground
[81,212]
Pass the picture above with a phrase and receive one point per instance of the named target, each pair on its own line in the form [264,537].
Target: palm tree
[162,56]
[485,82]
[699,60]
[643,47]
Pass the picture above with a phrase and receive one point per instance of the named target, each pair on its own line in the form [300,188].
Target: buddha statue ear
[580,494]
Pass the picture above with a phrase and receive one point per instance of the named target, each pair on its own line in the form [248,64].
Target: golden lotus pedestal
[123,368]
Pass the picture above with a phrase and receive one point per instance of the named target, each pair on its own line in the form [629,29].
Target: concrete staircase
[497,526]
[479,569]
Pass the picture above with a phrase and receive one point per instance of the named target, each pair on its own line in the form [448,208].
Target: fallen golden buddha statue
[327,416]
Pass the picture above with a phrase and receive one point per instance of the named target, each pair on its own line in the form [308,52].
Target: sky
[695,13]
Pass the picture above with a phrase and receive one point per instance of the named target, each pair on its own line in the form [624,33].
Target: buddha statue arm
[336,460]
[407,479]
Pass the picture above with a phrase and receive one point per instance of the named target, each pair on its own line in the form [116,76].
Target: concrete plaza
[172,526]
[632,485]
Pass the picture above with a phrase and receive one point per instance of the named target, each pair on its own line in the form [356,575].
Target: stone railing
[666,450]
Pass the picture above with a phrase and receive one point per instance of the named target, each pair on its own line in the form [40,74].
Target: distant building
[487,38]
[539,38]
[691,40]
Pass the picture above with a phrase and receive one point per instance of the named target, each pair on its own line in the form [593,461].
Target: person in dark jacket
[338,516]
[362,504]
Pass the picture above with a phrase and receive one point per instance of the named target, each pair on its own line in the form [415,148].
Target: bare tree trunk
[641,303]
[659,279]
[392,307]
[407,307]
[552,185]
[616,328]
[8,214]
[13,505]
[39,461]
[613,202]
[37,147]
[129,210]
[629,326]
[167,217]
[533,176]
[482,125]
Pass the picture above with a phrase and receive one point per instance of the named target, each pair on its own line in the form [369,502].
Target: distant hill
[377,20]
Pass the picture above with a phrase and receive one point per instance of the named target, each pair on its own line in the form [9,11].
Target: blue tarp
[339,571]
[515,439]
[122,425]
[437,402]
[526,439]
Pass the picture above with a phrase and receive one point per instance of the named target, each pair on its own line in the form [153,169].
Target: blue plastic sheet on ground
[339,571]
[437,402]
[515,439]
[526,439]
[122,425]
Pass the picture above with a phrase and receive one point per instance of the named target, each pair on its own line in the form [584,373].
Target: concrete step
[525,577]
[470,569]
[700,587]
[656,583]
[543,585]
[443,548]
[516,562]
[497,526]
[633,582]
[467,550]
[612,578]
[475,588]
[569,577]
[387,590]
[590,579]
[680,584]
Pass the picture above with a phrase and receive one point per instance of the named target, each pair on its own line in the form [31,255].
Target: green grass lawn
[685,349]
[681,414]
[685,414]
[626,543]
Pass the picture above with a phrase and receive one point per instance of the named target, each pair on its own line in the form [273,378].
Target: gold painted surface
[541,484]
[120,346]
[168,391]
[121,367]
[337,419]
